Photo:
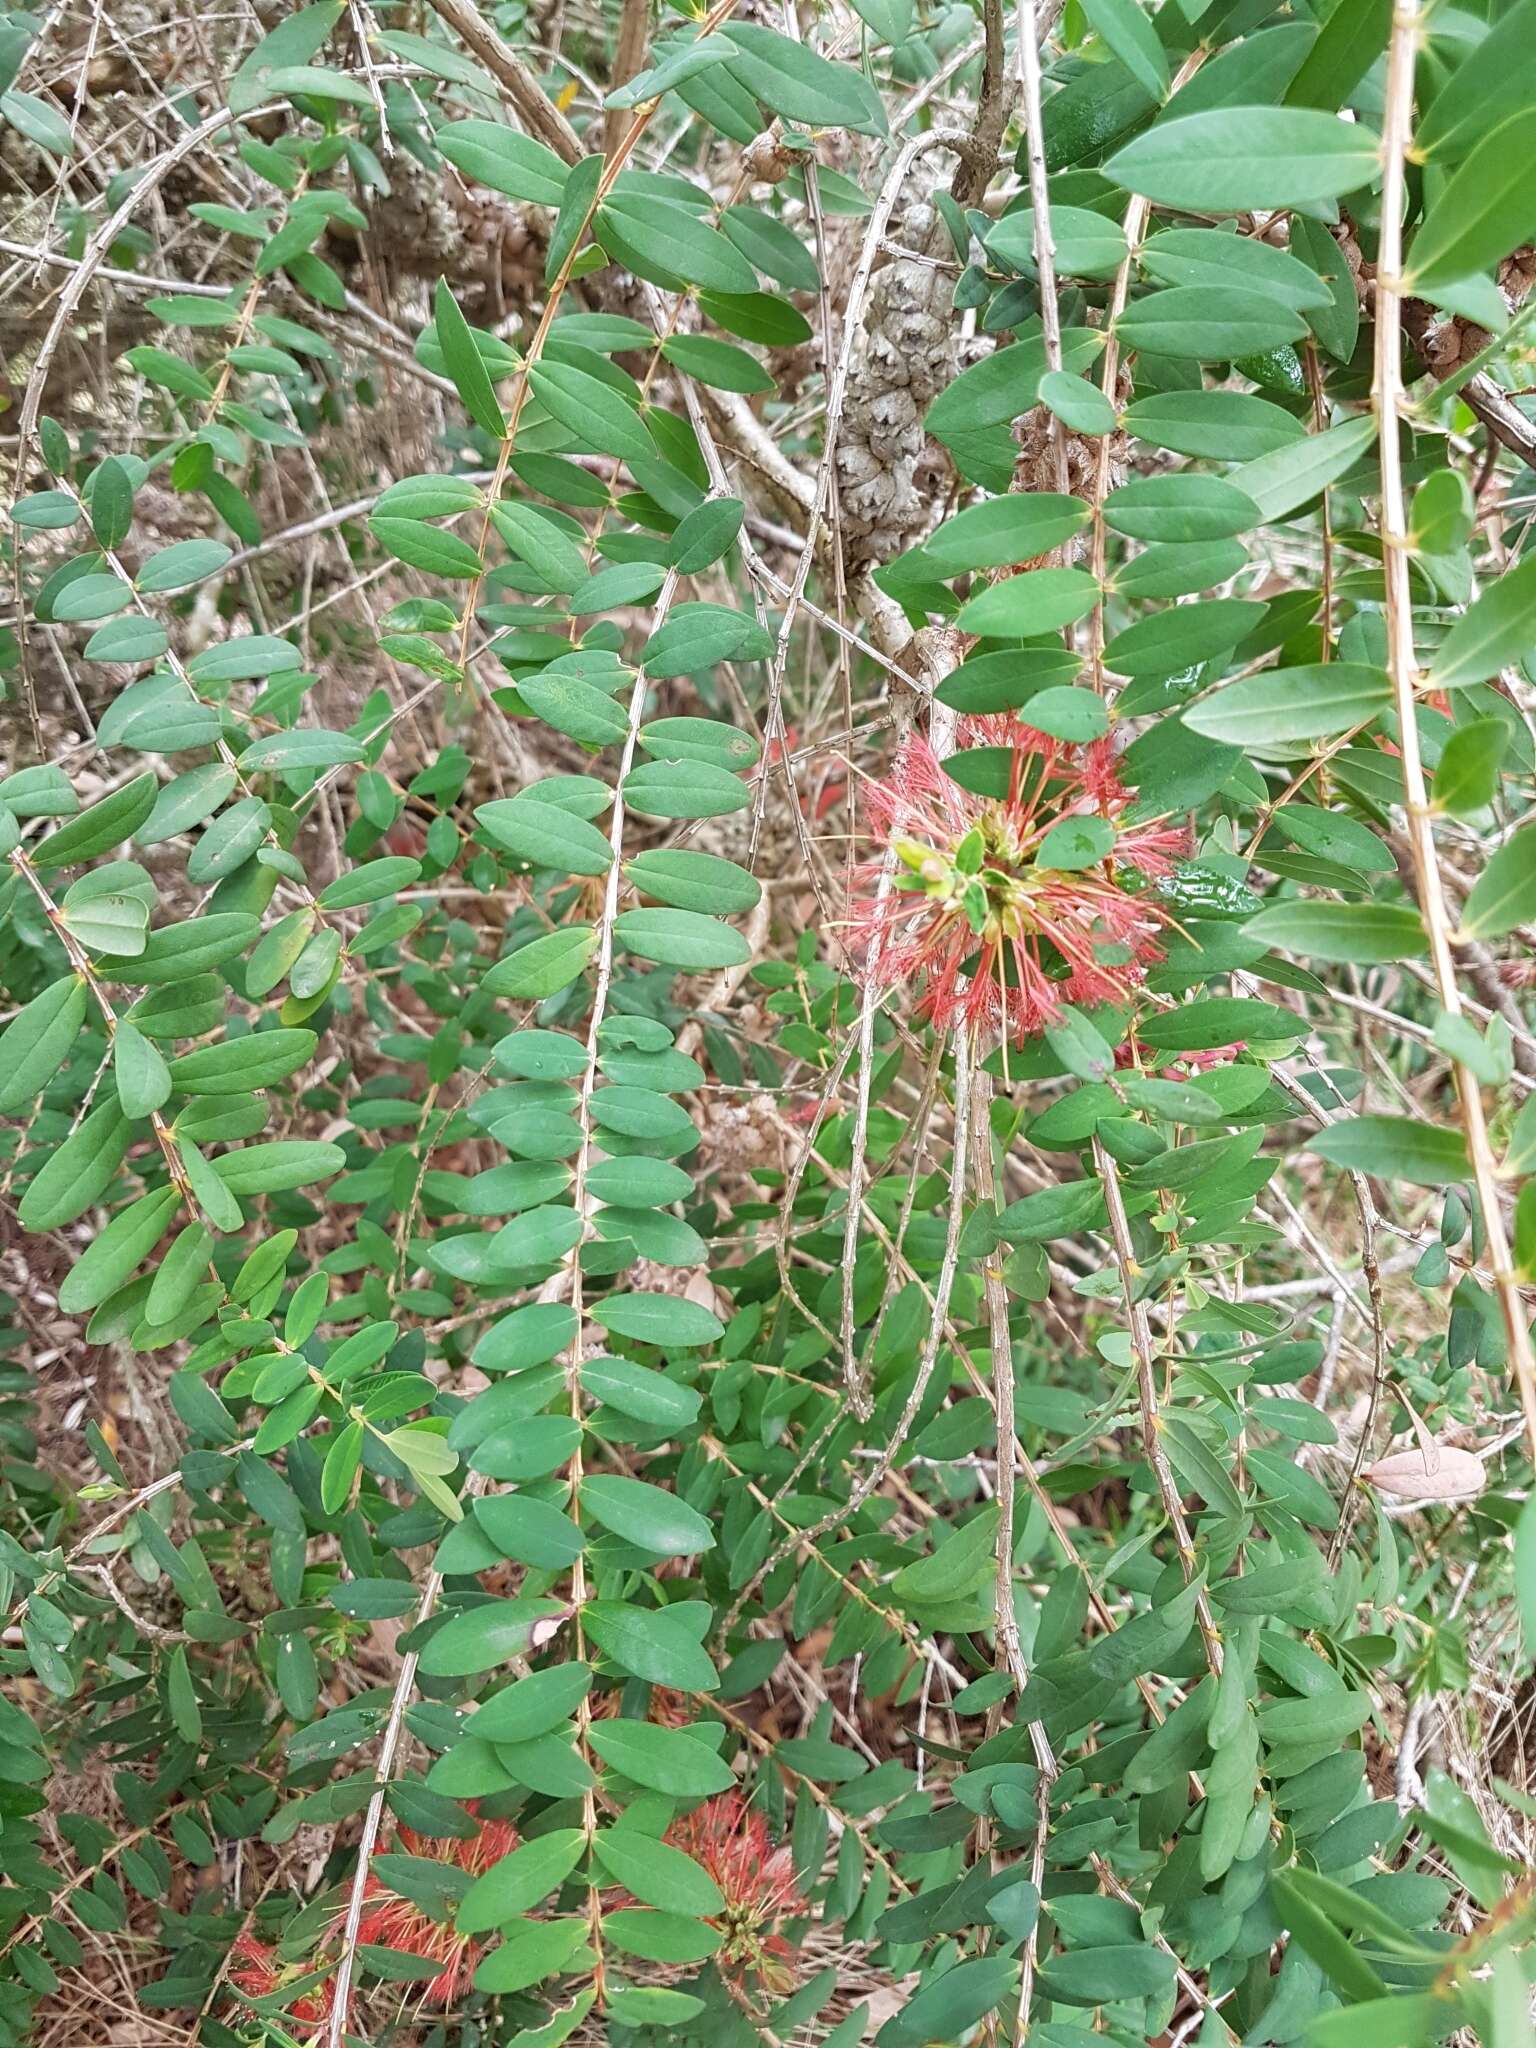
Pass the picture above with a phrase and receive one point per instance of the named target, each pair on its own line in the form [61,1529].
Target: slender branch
[1143,1351]
[538,112]
[1044,241]
[1387,396]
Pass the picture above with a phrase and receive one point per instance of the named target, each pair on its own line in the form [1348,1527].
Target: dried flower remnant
[258,1971]
[757,1882]
[1004,922]
[390,1921]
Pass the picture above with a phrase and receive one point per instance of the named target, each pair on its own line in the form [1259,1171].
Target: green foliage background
[505,1302]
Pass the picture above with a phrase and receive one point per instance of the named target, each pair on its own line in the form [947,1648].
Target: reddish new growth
[390,1921]
[730,1839]
[257,1970]
[1000,936]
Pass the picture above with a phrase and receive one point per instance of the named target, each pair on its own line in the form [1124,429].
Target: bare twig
[1402,662]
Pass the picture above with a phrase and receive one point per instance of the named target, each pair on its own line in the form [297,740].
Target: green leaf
[304,747]
[1104,1976]
[1282,482]
[1444,513]
[545,835]
[181,1698]
[39,121]
[1062,1211]
[1282,706]
[466,366]
[720,364]
[177,951]
[663,1319]
[1238,159]
[1496,77]
[534,1705]
[184,562]
[1496,632]
[678,63]
[109,923]
[180,1273]
[1179,508]
[1336,325]
[1334,835]
[245,656]
[1036,602]
[1086,245]
[577,708]
[1504,894]
[122,1247]
[663,1937]
[142,1077]
[669,1760]
[706,534]
[1210,258]
[1163,643]
[1219,1021]
[1131,37]
[234,1065]
[274,1169]
[1319,1936]
[79,1171]
[645,1515]
[957,1570]
[950,2002]
[1079,405]
[670,244]
[684,939]
[1074,843]
[656,1873]
[111,503]
[1231,426]
[684,789]
[696,636]
[484,1636]
[106,824]
[1525,1572]
[37,1041]
[544,966]
[370,883]
[530,1951]
[1209,323]
[700,739]
[343,1456]
[1362,934]
[592,411]
[653,1643]
[504,160]
[520,1881]
[694,881]
[801,86]
[547,548]
[1484,212]
[1003,531]
[429,548]
[1396,1148]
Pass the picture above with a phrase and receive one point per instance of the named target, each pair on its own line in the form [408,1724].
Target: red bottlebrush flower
[257,1970]
[667,1707]
[730,1839]
[998,937]
[391,1921]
